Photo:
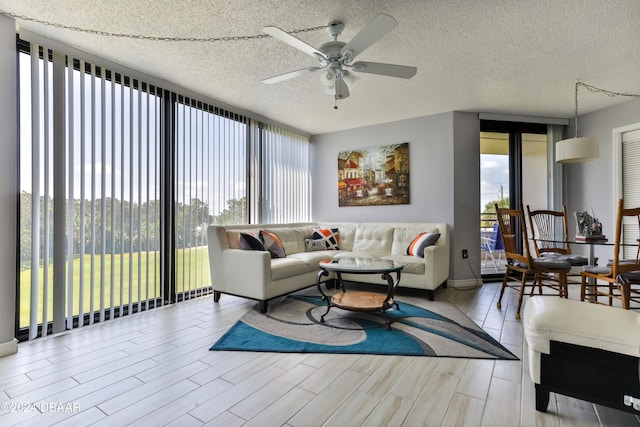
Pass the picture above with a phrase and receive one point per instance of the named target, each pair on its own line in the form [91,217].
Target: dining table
[591,243]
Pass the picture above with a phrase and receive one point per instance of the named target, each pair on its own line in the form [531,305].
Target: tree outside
[118,249]
[488,215]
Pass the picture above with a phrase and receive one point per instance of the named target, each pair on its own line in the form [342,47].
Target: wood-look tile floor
[155,369]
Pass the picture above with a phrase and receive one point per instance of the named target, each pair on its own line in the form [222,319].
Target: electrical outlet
[465,254]
[632,401]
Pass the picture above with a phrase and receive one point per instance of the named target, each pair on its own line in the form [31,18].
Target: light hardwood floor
[155,369]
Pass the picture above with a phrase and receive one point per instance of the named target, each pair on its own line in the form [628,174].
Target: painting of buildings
[374,176]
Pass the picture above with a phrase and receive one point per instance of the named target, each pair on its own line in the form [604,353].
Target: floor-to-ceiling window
[210,185]
[119,180]
[110,183]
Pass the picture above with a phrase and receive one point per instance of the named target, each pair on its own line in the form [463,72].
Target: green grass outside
[192,272]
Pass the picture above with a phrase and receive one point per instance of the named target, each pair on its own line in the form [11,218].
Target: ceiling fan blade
[374,31]
[283,36]
[291,74]
[342,90]
[391,70]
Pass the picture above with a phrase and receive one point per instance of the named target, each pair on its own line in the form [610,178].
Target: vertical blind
[101,134]
[630,187]
[110,258]
[210,183]
[285,189]
[113,184]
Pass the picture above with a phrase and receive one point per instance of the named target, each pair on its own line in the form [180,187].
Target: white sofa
[584,350]
[254,274]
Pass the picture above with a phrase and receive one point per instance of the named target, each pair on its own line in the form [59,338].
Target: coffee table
[360,300]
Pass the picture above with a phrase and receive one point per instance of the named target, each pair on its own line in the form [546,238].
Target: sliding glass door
[513,170]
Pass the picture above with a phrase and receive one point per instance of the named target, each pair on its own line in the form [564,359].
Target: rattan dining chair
[544,272]
[621,276]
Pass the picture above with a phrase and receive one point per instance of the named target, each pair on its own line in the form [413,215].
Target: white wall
[444,154]
[591,185]
[431,157]
[9,183]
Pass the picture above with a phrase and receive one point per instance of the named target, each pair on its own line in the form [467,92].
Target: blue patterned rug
[420,328]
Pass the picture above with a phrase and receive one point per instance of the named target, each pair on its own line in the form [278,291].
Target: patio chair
[491,245]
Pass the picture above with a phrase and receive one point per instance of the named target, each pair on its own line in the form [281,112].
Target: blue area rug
[420,328]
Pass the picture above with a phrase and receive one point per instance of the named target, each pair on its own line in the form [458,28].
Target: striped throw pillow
[422,240]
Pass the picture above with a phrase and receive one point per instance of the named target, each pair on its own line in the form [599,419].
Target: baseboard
[464,283]
[9,347]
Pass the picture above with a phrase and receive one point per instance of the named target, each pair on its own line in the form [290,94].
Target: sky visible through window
[132,142]
[494,178]
[126,141]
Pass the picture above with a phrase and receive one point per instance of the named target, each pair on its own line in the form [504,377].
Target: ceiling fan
[336,57]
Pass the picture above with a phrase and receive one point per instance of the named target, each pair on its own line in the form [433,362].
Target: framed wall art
[374,176]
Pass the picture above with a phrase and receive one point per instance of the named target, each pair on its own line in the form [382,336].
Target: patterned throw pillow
[329,236]
[422,240]
[273,244]
[311,245]
[250,241]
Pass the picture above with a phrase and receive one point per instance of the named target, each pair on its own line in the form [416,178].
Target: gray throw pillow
[312,245]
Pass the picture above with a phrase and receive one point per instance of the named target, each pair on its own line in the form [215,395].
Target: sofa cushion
[330,236]
[273,244]
[376,240]
[422,240]
[281,268]
[312,259]
[350,254]
[292,238]
[410,264]
[250,241]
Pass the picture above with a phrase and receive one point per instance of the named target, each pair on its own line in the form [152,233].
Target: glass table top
[360,265]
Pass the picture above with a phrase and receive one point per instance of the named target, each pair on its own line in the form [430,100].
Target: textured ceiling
[499,56]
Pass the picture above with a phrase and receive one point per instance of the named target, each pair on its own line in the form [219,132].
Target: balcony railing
[487,222]
[487,219]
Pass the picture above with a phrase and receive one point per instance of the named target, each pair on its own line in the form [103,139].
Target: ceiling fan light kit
[335,57]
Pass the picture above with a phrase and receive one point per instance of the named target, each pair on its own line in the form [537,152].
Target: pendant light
[582,149]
